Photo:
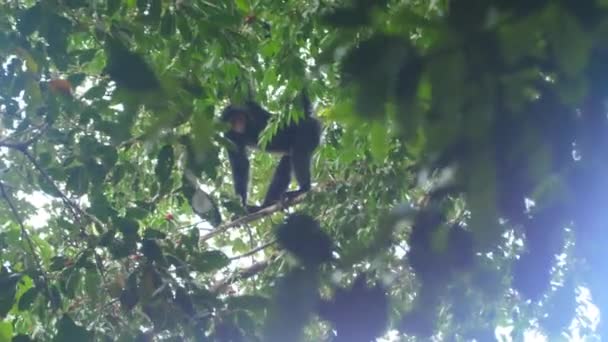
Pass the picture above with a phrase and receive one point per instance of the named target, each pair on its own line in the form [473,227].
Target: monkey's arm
[240,172]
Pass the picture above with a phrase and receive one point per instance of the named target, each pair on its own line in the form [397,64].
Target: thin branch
[22,145]
[191,225]
[244,273]
[74,208]
[254,250]
[27,238]
[252,217]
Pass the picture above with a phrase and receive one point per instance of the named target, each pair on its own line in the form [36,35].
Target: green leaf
[142,5]
[76,79]
[95,92]
[26,299]
[67,330]
[154,234]
[58,263]
[571,44]
[164,164]
[209,261]
[129,228]
[156,8]
[71,285]
[257,304]
[380,142]
[75,4]
[137,213]
[184,28]
[151,250]
[112,6]
[100,207]
[242,5]
[347,17]
[128,69]
[30,20]
[91,283]
[294,302]
[184,301]
[6,331]
[302,235]
[167,25]
[78,180]
[22,338]
[108,155]
[57,35]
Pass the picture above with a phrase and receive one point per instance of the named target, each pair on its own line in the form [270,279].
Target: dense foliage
[457,192]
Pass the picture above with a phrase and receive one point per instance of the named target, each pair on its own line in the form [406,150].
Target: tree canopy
[457,192]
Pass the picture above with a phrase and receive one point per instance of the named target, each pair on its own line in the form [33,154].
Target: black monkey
[296,142]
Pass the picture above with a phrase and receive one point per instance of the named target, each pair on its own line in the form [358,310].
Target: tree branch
[252,217]
[254,250]
[22,145]
[28,239]
[244,273]
[74,208]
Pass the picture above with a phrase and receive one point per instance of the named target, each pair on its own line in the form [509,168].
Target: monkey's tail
[306,104]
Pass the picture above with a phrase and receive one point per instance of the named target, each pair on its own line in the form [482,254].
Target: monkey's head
[236,117]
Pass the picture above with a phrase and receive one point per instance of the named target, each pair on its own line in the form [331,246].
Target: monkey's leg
[280,181]
[240,172]
[301,162]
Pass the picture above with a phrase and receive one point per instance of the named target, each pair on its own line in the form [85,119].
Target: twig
[254,250]
[191,225]
[244,273]
[252,217]
[74,208]
[22,145]
[28,238]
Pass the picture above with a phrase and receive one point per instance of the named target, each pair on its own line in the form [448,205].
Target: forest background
[458,187]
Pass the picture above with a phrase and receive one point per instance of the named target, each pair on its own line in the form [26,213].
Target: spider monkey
[296,142]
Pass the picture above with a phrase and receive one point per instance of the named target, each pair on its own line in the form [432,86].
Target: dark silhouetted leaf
[347,17]
[112,6]
[75,4]
[302,235]
[128,69]
[26,299]
[250,303]
[359,313]
[167,25]
[210,261]
[184,28]
[22,338]
[58,263]
[8,289]
[67,330]
[183,300]
[154,234]
[293,303]
[151,250]
[129,296]
[129,228]
[78,181]
[164,164]
[30,20]
[156,8]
